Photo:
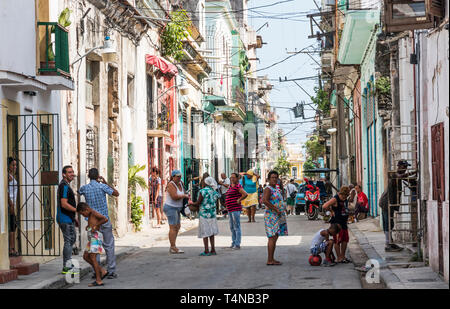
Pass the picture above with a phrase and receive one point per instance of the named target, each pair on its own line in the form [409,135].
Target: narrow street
[237,269]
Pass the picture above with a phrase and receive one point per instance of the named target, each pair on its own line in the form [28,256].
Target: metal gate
[33,140]
[404,212]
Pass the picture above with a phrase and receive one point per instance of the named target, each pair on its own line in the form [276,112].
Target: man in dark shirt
[65,216]
[392,195]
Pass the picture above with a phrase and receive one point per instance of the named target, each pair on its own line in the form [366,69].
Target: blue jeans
[70,236]
[108,245]
[235,227]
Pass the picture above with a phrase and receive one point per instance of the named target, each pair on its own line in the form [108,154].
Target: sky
[282,36]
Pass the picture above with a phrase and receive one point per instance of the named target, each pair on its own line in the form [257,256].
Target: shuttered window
[438,161]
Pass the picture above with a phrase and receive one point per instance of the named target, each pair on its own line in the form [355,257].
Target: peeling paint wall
[434,104]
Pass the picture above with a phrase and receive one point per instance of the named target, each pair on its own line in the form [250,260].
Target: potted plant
[63,20]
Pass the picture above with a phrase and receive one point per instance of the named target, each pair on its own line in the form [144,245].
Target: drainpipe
[416,49]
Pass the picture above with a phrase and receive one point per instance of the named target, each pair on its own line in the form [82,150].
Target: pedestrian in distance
[362,203]
[65,216]
[291,192]
[206,203]
[352,199]
[12,201]
[321,243]
[274,217]
[250,184]
[172,207]
[95,195]
[235,195]
[260,195]
[156,195]
[338,206]
[94,245]
[224,183]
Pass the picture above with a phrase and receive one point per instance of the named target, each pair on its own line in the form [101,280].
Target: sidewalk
[49,275]
[397,271]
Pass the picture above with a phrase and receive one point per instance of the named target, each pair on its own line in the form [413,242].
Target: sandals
[205,254]
[344,261]
[275,263]
[95,284]
[177,251]
[103,276]
[213,253]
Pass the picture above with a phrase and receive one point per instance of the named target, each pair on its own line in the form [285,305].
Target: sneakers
[70,270]
[392,248]
[236,247]
[111,275]
[327,263]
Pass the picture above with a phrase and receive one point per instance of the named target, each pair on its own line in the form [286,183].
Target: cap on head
[403,163]
[176,173]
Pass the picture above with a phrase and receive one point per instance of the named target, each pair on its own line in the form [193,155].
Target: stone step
[24,269]
[8,275]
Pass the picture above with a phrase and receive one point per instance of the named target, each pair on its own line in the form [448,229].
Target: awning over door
[163,65]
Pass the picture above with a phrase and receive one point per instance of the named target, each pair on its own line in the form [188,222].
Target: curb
[84,271]
[386,274]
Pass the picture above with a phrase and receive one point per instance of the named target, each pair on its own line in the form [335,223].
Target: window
[404,10]
[402,15]
[130,90]
[92,69]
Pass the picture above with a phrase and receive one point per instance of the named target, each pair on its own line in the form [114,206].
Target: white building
[34,75]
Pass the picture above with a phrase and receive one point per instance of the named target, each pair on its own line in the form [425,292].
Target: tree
[322,101]
[314,149]
[175,32]
[135,202]
[283,167]
[308,165]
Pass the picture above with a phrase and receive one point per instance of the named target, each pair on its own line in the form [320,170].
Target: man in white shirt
[224,186]
[291,190]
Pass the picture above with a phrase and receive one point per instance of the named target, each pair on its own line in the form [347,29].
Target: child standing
[94,245]
[322,243]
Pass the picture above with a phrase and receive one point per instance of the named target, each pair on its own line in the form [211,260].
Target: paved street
[243,269]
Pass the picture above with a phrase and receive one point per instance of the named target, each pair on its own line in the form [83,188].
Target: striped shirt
[231,199]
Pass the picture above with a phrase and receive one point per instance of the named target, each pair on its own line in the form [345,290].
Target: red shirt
[363,200]
[231,198]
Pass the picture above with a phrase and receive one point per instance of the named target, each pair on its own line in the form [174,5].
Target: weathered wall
[434,92]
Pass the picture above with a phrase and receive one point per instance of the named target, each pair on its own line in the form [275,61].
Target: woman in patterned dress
[274,217]
[207,214]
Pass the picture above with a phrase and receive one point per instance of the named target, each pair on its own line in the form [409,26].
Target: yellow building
[295,158]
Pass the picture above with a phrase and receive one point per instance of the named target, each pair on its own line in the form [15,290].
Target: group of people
[95,210]
[236,192]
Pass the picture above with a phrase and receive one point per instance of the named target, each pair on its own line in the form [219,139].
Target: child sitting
[322,243]
[94,245]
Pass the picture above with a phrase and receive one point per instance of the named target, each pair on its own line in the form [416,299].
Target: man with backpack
[291,193]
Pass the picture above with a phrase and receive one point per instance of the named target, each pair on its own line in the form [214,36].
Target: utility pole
[342,137]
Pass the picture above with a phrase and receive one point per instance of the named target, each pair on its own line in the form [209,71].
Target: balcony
[359,29]
[54,69]
[56,49]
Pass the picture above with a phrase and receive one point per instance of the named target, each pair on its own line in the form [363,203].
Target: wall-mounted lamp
[107,50]
[332,131]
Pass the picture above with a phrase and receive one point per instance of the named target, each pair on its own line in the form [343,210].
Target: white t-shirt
[290,188]
[12,190]
[224,189]
[317,239]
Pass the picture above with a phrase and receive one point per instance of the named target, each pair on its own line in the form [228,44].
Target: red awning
[164,66]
